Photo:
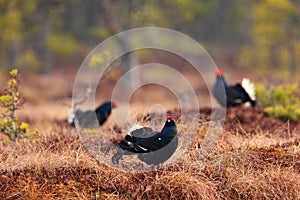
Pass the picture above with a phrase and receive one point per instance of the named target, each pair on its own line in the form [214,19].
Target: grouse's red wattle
[219,72]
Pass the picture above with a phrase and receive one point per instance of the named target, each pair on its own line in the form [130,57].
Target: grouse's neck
[221,79]
[170,129]
[104,107]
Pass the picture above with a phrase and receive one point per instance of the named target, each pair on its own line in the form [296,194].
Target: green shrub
[10,102]
[280,101]
[63,46]
[29,61]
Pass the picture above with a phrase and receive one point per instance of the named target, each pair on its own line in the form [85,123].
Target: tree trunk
[128,60]
[292,62]
[13,53]
[44,51]
[292,50]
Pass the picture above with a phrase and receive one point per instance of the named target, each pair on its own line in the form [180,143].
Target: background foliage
[280,101]
[38,34]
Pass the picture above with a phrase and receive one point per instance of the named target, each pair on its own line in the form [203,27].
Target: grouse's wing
[137,134]
[142,144]
[128,148]
[151,143]
[142,132]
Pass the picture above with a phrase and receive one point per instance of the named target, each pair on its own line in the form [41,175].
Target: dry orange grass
[246,163]
[56,166]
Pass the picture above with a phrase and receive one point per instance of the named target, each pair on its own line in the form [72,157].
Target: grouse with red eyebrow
[151,147]
[88,119]
[233,95]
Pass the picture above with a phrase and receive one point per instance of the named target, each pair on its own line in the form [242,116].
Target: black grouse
[151,147]
[235,95]
[89,119]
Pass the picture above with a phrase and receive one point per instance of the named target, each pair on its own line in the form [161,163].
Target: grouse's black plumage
[152,147]
[87,119]
[235,95]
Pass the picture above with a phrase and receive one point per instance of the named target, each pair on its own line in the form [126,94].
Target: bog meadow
[45,46]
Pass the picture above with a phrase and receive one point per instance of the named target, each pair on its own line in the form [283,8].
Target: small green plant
[10,102]
[280,101]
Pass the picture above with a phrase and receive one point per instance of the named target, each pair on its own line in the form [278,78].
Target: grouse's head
[219,72]
[170,118]
[170,125]
[114,104]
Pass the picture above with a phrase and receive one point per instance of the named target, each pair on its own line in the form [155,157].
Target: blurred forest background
[260,36]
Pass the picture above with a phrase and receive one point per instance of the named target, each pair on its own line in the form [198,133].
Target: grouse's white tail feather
[249,87]
[71,117]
